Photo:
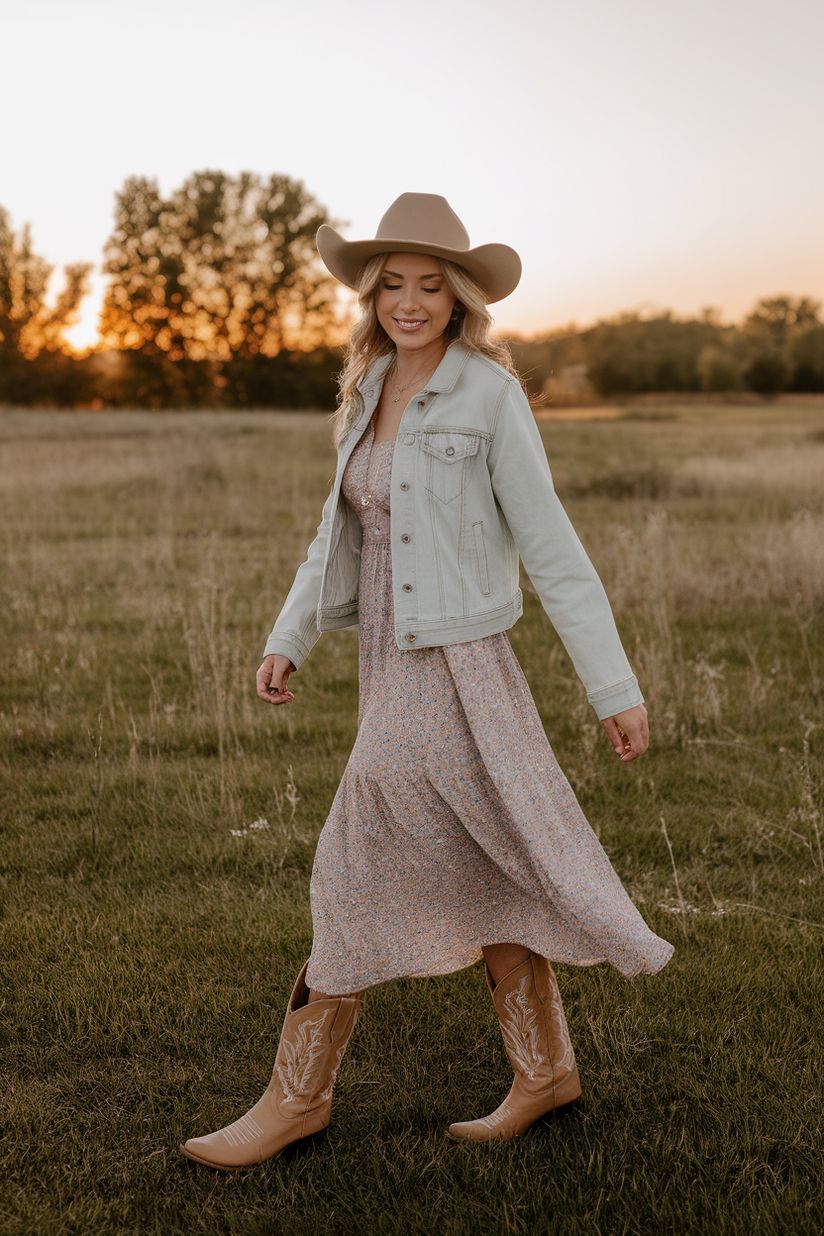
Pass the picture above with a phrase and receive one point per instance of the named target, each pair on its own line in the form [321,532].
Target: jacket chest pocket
[448,458]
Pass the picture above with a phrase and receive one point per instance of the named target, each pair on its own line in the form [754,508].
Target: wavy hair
[368,341]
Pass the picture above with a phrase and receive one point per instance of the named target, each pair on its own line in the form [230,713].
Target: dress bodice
[366,484]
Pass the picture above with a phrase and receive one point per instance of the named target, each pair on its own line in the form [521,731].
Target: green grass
[147,953]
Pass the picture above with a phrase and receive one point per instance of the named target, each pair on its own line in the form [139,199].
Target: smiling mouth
[409,323]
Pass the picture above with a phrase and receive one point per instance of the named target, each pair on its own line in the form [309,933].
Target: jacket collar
[443,379]
[375,373]
[450,368]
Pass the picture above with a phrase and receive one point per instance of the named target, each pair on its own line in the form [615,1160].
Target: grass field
[148,950]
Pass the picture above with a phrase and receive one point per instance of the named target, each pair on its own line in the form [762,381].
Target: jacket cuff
[616,698]
[287,646]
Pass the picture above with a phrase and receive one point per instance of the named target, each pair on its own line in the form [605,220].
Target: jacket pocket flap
[450,446]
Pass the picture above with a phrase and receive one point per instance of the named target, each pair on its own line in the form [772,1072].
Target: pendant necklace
[366,498]
[417,378]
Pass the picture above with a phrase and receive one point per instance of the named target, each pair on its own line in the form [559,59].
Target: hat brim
[495,268]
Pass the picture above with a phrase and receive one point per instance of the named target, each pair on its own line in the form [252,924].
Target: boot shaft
[534,1028]
[312,1044]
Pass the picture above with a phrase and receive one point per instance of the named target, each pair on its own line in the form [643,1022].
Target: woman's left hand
[628,732]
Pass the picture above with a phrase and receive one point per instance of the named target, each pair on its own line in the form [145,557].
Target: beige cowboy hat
[423,223]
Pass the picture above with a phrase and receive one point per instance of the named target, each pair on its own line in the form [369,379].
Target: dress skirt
[453,826]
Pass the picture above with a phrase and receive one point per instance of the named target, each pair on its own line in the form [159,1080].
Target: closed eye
[395,287]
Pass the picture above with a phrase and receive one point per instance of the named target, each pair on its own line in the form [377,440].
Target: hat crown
[423,218]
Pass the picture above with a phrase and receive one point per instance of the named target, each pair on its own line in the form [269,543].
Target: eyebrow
[435,275]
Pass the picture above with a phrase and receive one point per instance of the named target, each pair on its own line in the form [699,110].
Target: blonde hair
[368,341]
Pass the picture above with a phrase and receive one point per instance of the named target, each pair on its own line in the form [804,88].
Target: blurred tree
[779,317]
[629,354]
[768,374]
[225,268]
[807,359]
[27,324]
[288,380]
[769,336]
[36,365]
[718,369]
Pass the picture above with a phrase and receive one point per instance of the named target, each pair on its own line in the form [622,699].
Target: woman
[453,834]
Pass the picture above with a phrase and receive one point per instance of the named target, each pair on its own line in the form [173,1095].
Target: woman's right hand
[272,678]
[628,731]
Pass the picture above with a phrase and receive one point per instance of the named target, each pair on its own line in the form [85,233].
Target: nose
[409,297]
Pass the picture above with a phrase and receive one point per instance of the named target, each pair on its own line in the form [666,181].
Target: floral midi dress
[453,826]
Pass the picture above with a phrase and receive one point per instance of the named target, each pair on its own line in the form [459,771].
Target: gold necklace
[366,498]
[417,378]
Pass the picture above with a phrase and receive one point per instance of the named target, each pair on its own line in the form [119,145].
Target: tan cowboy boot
[536,1039]
[298,1100]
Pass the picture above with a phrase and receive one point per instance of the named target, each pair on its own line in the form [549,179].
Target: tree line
[216,298]
[778,347]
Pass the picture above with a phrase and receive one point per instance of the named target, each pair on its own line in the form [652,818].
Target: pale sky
[638,154]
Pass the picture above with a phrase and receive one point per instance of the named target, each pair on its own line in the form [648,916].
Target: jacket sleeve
[296,627]
[554,558]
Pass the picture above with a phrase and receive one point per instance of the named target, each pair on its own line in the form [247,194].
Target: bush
[807,358]
[630,355]
[718,369]
[767,375]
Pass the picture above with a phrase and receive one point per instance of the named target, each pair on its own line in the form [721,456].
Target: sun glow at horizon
[665,157]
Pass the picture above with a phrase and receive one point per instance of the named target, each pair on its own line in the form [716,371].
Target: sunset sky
[638,155]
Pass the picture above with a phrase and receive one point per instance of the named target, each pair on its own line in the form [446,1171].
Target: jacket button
[410,439]
[421,403]
[410,637]
[404,486]
[406,538]
[450,450]
[407,587]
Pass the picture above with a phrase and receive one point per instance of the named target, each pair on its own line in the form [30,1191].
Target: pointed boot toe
[493,1128]
[259,1135]
[202,1150]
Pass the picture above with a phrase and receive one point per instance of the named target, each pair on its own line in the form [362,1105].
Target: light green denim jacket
[471,490]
